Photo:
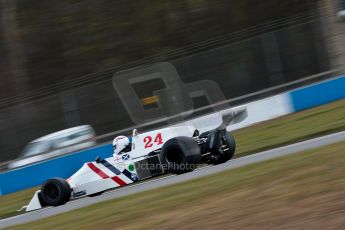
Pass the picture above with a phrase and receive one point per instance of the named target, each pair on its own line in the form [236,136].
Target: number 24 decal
[148,140]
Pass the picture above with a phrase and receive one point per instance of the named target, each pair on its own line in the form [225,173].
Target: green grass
[282,191]
[270,134]
[12,202]
[289,129]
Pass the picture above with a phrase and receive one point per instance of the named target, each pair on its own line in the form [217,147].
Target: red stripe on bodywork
[97,170]
[118,180]
[105,176]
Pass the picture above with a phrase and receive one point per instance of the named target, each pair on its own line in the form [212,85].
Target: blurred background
[58,58]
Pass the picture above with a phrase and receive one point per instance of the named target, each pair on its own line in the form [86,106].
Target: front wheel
[55,192]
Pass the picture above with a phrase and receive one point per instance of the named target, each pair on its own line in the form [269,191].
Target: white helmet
[120,143]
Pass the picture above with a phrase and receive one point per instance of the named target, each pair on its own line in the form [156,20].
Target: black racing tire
[55,192]
[180,155]
[227,139]
[228,154]
[223,156]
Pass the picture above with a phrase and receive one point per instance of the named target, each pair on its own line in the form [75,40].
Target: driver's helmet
[121,144]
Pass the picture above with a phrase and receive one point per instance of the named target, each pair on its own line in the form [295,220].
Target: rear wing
[233,116]
[218,120]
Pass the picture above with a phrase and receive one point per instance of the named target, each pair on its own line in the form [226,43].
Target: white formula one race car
[176,149]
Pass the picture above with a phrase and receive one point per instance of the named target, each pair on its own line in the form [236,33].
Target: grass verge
[300,191]
[289,129]
[292,128]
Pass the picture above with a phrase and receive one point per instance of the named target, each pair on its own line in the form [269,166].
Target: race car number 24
[158,140]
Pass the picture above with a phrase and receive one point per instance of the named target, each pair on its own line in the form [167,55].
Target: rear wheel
[228,151]
[223,148]
[180,155]
[55,192]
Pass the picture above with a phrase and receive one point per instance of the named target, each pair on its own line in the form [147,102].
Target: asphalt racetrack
[174,179]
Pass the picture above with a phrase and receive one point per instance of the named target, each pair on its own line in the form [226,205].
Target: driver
[121,145]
